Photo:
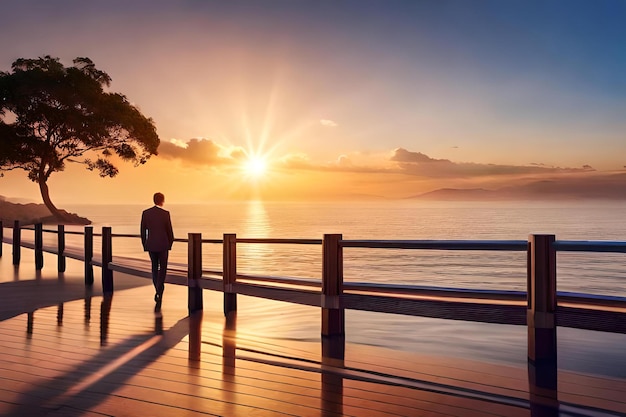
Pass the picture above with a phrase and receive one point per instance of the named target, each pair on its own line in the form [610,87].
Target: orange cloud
[417,163]
[200,152]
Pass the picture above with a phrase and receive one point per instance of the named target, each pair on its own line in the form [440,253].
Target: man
[157,237]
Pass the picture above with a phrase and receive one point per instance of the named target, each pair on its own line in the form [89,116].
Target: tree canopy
[51,115]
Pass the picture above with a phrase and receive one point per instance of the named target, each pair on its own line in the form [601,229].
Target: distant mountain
[612,187]
[457,194]
[357,196]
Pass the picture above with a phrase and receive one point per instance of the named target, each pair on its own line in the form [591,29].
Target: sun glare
[255,167]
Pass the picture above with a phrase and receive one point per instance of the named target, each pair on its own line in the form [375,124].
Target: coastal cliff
[32,213]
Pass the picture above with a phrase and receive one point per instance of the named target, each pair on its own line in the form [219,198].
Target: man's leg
[154,257]
[163,256]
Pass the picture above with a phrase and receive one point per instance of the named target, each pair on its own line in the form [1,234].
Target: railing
[541,307]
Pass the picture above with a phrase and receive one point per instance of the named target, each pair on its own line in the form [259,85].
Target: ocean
[593,273]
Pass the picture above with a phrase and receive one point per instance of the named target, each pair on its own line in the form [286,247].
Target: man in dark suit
[157,237]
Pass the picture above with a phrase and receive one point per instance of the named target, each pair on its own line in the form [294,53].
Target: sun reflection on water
[252,257]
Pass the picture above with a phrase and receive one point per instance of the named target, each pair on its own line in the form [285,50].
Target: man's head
[158,198]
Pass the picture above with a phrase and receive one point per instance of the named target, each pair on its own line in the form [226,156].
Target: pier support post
[333,314]
[195,336]
[1,237]
[229,347]
[38,246]
[229,268]
[107,256]
[17,242]
[194,272]
[541,321]
[88,255]
[61,248]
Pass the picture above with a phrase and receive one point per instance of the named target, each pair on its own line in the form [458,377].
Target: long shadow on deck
[26,296]
[91,382]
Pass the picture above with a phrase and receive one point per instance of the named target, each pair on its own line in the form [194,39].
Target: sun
[255,167]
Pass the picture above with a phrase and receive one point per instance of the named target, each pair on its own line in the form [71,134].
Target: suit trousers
[159,270]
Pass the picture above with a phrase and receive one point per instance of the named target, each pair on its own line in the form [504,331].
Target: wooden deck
[68,351]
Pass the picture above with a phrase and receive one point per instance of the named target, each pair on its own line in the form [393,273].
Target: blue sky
[506,83]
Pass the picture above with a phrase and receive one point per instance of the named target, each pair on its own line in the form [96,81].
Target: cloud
[297,161]
[179,143]
[402,155]
[328,123]
[200,151]
[237,153]
[344,161]
[417,163]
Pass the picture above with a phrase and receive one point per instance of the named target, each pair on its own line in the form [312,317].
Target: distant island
[31,213]
[608,188]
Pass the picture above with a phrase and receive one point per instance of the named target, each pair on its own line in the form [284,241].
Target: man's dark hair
[158,198]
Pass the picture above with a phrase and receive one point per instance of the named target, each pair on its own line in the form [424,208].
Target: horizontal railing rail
[590,246]
[280,241]
[487,245]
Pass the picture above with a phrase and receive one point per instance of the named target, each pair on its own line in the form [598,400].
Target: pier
[194,358]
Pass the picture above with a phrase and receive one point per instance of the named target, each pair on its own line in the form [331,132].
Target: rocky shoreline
[32,213]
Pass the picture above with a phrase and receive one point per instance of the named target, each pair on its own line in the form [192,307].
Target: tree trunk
[43,187]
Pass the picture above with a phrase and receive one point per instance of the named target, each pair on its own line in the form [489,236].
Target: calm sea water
[580,272]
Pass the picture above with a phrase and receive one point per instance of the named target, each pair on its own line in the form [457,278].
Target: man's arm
[143,230]
[170,231]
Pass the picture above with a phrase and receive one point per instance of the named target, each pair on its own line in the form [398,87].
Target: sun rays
[255,167]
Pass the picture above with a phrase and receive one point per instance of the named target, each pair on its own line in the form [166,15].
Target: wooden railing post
[107,256]
[194,272]
[229,278]
[17,242]
[38,246]
[541,321]
[61,248]
[541,297]
[333,315]
[88,245]
[1,237]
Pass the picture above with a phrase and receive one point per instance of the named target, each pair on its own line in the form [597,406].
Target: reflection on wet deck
[68,351]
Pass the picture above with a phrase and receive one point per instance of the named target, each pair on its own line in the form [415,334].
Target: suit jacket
[156,230]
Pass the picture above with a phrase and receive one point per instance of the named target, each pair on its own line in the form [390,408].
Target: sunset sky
[342,99]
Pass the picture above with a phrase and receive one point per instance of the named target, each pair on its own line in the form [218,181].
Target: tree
[51,115]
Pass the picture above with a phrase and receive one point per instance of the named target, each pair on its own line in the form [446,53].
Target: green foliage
[51,115]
